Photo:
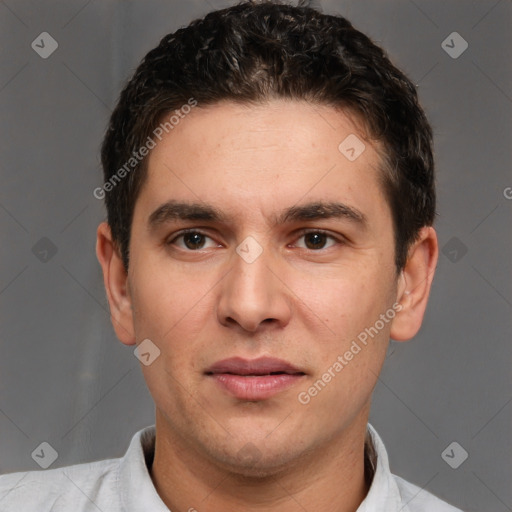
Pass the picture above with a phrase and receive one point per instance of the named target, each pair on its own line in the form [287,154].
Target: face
[262,271]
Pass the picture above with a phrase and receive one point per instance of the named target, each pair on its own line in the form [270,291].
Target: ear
[414,285]
[115,279]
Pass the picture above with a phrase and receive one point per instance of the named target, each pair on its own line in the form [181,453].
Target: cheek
[172,309]
[168,301]
[351,309]
[347,304]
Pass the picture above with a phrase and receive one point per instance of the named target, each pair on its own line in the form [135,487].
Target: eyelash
[301,234]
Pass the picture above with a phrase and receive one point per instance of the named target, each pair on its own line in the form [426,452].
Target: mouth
[256,379]
[253,367]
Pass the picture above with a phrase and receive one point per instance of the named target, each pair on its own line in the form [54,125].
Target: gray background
[64,377]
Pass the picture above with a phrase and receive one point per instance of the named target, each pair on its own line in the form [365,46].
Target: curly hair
[257,51]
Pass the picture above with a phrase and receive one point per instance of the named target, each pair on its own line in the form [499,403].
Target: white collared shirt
[125,485]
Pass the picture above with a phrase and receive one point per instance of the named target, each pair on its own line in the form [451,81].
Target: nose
[253,292]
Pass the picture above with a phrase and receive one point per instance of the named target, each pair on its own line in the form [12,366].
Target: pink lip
[255,379]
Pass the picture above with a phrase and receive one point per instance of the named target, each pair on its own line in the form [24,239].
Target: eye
[316,239]
[193,240]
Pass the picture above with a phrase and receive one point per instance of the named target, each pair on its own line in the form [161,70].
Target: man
[270,196]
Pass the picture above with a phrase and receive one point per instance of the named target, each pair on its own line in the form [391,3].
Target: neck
[331,478]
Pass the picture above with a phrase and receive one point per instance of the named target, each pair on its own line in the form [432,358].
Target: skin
[297,301]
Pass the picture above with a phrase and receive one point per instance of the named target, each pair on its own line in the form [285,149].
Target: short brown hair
[253,52]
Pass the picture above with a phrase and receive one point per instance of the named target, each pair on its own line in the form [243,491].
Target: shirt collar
[384,493]
[138,493]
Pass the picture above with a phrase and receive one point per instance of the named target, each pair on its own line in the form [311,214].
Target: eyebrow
[177,210]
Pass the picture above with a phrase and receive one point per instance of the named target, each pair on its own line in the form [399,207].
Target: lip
[255,379]
[260,366]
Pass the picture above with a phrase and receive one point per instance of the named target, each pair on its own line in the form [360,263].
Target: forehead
[266,157]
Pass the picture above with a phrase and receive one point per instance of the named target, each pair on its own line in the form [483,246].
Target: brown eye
[193,240]
[190,240]
[316,240]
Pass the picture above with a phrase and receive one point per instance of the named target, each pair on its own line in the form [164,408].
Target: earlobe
[115,280]
[414,285]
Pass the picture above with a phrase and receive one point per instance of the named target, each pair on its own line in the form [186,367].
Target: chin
[251,462]
[262,470]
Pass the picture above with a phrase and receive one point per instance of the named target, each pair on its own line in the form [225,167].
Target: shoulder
[53,489]
[420,500]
